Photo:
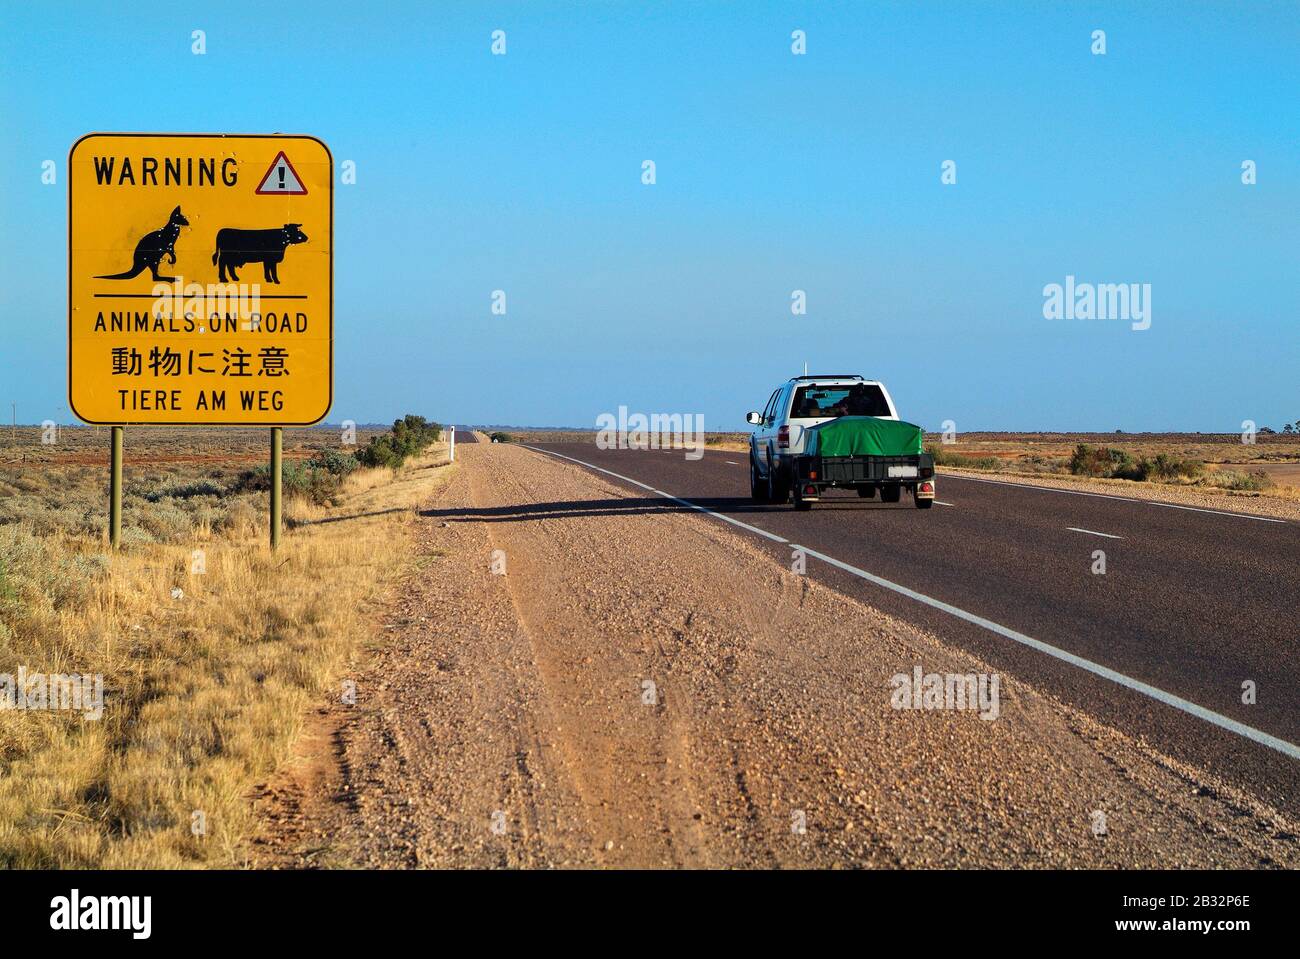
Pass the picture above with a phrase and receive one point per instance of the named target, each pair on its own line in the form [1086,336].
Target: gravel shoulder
[640,687]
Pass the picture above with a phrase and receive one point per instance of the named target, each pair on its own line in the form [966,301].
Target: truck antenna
[805,367]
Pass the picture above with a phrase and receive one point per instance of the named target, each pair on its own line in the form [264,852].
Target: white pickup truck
[864,453]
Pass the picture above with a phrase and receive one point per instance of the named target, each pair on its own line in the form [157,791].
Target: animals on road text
[152,248]
[238,247]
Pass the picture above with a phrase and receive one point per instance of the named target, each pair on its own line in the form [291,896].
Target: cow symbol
[237,247]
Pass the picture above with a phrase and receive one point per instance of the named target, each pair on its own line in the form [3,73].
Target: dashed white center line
[942,503]
[1092,532]
[731,463]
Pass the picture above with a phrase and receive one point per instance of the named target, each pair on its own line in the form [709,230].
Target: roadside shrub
[1253,481]
[506,438]
[240,518]
[334,462]
[1166,467]
[309,482]
[164,521]
[47,518]
[380,451]
[38,577]
[136,536]
[409,436]
[1101,461]
[316,479]
[1036,463]
[1127,469]
[184,491]
[1119,464]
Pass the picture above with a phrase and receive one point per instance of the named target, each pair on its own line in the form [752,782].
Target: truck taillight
[783,437]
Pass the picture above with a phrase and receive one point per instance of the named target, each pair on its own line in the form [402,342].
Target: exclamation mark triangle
[281,179]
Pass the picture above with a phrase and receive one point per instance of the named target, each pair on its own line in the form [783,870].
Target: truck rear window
[858,399]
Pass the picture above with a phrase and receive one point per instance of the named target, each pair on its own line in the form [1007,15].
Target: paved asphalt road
[466,436]
[1193,603]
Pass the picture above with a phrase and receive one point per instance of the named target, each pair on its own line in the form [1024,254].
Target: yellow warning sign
[200,279]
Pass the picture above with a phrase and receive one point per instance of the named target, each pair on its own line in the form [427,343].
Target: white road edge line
[1105,672]
[1092,532]
[1123,499]
[942,503]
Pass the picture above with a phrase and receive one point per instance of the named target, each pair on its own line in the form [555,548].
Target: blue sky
[775,173]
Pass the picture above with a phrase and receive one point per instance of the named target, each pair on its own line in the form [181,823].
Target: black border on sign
[217,136]
[303,192]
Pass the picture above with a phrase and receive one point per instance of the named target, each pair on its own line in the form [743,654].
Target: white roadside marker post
[451,452]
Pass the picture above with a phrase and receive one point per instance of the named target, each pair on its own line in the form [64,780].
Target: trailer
[869,454]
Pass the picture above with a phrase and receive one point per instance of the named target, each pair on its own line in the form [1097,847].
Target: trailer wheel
[867,492]
[891,493]
[799,502]
[757,487]
[924,503]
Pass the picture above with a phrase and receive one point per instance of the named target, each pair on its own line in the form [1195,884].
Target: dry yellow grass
[204,693]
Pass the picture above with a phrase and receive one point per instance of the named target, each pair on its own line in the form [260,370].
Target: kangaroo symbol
[152,248]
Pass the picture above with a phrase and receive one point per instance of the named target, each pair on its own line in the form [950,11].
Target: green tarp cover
[863,436]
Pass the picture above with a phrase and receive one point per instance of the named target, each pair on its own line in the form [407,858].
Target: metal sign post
[115,490]
[277,478]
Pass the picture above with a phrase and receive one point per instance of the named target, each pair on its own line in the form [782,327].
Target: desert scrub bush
[1112,463]
[166,521]
[38,576]
[184,491]
[944,457]
[297,480]
[1166,466]
[334,462]
[1039,463]
[241,518]
[47,518]
[316,479]
[1101,461]
[1130,469]
[1253,481]
[32,483]
[76,518]
[500,437]
[410,435]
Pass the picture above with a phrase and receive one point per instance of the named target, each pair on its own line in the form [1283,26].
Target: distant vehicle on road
[841,431]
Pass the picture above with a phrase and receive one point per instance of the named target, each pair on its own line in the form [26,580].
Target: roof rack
[829,376]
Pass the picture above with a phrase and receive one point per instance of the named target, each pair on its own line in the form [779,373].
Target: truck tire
[867,492]
[891,493]
[778,490]
[924,503]
[799,502]
[757,486]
